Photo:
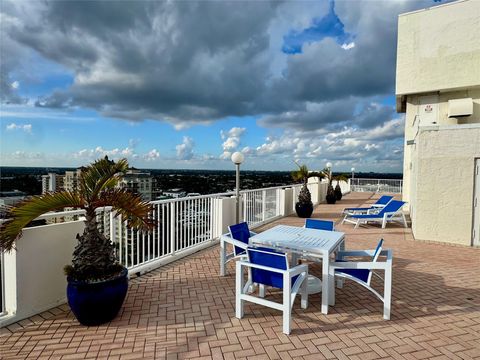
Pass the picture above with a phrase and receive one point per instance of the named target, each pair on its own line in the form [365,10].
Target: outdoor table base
[314,285]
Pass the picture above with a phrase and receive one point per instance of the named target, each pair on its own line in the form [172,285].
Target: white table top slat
[299,239]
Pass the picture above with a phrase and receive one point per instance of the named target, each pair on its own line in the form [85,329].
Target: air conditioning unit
[460,107]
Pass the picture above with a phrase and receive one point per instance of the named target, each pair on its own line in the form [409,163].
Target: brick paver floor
[185,310]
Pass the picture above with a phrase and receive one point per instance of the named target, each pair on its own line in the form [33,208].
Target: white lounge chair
[377,206]
[391,212]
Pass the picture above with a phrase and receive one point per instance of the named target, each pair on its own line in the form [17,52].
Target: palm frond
[130,206]
[27,211]
[102,174]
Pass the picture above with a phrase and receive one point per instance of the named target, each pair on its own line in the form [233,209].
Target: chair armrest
[228,239]
[344,253]
[260,267]
[297,269]
[364,264]
[369,265]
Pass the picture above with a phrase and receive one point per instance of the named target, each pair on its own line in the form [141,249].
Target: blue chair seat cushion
[360,274]
[359,208]
[366,216]
[270,278]
[270,258]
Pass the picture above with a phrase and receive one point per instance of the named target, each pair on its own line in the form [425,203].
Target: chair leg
[357,224]
[387,293]
[404,220]
[261,290]
[331,285]
[384,223]
[304,292]
[287,308]
[344,218]
[238,291]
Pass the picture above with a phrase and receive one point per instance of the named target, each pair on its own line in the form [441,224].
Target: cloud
[13,126]
[185,149]
[231,141]
[163,61]
[152,155]
[348,46]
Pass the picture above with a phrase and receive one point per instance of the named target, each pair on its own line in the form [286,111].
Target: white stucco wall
[442,205]
[414,120]
[439,48]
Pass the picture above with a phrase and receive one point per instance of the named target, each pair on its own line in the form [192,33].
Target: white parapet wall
[34,277]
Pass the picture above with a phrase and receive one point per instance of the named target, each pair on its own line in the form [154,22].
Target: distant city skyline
[182,85]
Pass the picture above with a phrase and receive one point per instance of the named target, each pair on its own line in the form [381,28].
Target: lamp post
[329,167]
[237,159]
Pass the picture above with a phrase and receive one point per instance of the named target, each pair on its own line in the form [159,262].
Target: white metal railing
[180,224]
[376,185]
[260,205]
[2,284]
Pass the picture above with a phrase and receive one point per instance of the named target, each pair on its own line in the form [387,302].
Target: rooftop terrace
[186,310]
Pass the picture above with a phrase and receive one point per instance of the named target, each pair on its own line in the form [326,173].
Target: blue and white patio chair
[377,206]
[362,272]
[391,212]
[270,268]
[320,224]
[239,236]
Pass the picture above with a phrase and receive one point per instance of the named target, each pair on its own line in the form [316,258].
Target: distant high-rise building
[52,182]
[138,182]
[70,181]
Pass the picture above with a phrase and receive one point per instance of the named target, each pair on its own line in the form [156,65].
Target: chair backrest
[375,256]
[239,232]
[268,258]
[319,224]
[384,200]
[392,207]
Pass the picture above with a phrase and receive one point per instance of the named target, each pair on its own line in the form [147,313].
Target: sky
[184,84]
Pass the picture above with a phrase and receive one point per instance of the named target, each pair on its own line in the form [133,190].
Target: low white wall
[226,214]
[34,277]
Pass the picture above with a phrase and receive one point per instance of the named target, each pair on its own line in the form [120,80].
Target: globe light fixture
[237,159]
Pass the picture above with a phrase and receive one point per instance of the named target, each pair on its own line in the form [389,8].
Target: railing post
[113,234]
[278,194]
[264,201]
[173,222]
[244,205]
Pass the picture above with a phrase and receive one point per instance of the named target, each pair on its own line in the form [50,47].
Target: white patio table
[307,242]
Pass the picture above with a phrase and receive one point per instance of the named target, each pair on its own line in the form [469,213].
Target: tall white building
[70,180]
[52,182]
[138,182]
[438,88]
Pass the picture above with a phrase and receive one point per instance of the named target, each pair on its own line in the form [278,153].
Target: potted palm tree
[331,198]
[304,205]
[338,190]
[97,282]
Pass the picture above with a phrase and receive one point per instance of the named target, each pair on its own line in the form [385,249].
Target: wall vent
[460,107]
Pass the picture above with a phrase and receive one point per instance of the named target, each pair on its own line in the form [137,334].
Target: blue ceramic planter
[95,303]
[304,210]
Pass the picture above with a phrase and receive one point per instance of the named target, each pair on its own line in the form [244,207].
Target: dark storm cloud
[190,62]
